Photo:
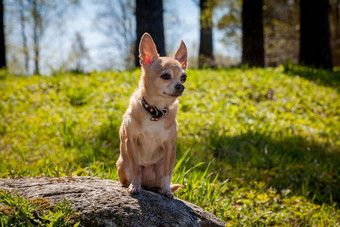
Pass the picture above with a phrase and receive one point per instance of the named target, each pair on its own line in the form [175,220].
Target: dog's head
[163,76]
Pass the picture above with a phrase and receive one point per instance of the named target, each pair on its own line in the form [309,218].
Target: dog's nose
[179,87]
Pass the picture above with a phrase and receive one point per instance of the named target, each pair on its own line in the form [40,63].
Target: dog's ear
[181,55]
[147,50]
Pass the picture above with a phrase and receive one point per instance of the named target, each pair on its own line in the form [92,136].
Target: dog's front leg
[169,161]
[132,154]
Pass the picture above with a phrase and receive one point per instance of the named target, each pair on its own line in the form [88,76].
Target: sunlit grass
[17,211]
[255,147]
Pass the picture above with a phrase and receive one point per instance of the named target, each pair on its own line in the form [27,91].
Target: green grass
[17,211]
[255,146]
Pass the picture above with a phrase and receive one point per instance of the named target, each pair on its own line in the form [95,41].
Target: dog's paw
[166,192]
[133,189]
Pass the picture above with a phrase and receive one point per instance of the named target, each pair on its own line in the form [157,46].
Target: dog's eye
[183,78]
[165,76]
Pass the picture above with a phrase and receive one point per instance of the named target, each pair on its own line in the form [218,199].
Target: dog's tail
[175,187]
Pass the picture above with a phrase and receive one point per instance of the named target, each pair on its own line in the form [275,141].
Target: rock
[106,203]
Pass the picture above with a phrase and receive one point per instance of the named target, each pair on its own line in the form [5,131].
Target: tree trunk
[315,34]
[2,37]
[252,29]
[24,36]
[36,34]
[337,18]
[149,18]
[205,55]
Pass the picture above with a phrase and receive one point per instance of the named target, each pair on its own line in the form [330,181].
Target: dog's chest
[151,142]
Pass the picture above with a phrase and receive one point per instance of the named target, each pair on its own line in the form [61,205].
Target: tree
[335,31]
[28,22]
[23,34]
[118,16]
[280,20]
[149,18]
[2,37]
[252,33]
[231,23]
[315,34]
[79,54]
[205,55]
[37,32]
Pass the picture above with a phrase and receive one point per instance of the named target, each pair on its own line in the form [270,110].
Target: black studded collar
[156,113]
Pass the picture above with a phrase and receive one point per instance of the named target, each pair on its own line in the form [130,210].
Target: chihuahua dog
[149,128]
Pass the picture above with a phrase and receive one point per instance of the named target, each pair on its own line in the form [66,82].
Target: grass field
[255,146]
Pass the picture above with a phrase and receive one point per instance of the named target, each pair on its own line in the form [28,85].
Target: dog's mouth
[176,94]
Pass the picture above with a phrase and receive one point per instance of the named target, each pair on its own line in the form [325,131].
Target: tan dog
[149,128]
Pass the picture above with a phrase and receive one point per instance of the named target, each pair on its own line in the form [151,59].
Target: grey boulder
[106,203]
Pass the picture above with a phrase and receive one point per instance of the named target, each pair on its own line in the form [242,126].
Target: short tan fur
[147,148]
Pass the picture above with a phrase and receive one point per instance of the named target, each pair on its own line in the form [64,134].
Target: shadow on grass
[304,167]
[320,76]
[100,144]
[106,143]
